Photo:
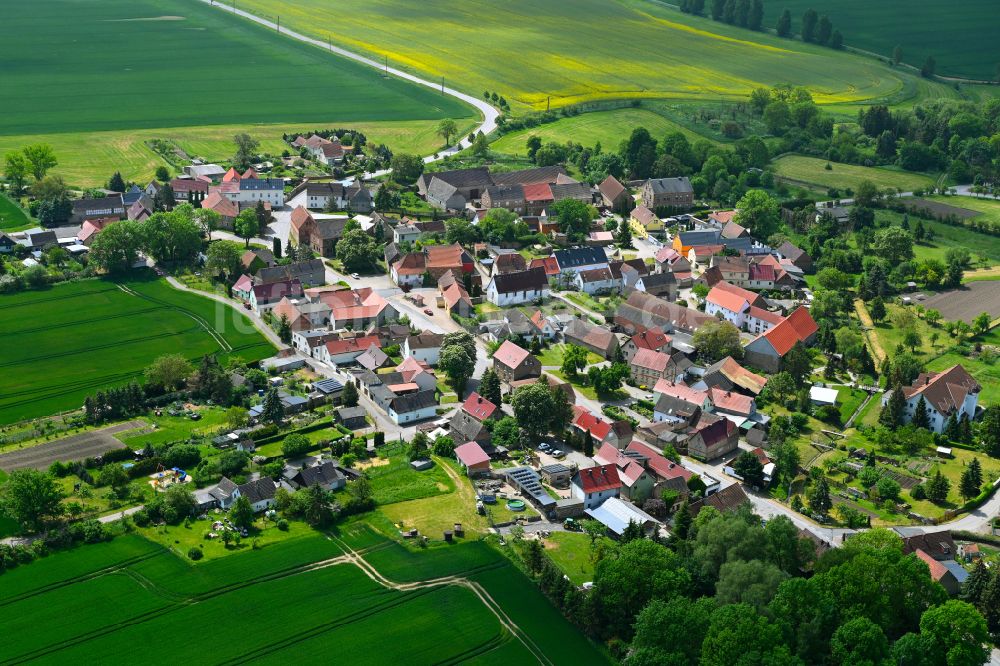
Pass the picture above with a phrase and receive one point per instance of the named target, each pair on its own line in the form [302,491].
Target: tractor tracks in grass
[223,343]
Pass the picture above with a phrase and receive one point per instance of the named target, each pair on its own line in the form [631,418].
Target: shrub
[918,492]
[195,553]
[283,525]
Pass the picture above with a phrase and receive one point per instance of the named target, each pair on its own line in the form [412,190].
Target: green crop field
[812,171]
[64,343]
[130,597]
[563,53]
[963,39]
[988,209]
[12,217]
[609,128]
[136,74]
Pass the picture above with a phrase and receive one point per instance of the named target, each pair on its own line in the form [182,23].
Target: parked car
[544,446]
[429,312]
[557,453]
[355,276]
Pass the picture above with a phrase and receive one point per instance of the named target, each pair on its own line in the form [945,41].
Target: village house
[352,418]
[425,347]
[667,193]
[651,339]
[411,407]
[661,285]
[255,259]
[672,392]
[265,297]
[952,392]
[465,427]
[434,260]
[614,195]
[473,459]
[578,259]
[468,184]
[189,189]
[712,437]
[311,272]
[241,190]
[344,351]
[594,485]
[329,152]
[509,262]
[259,492]
[797,256]
[590,336]
[627,273]
[331,195]
[596,281]
[644,222]
[325,475]
[512,363]
[637,483]
[107,207]
[457,300]
[642,311]
[517,288]
[669,260]
[647,367]
[213,172]
[319,235]
[731,302]
[227,210]
[758,320]
[509,197]
[768,349]
[729,375]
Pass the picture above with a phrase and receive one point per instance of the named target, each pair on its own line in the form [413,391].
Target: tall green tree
[458,367]
[246,151]
[489,386]
[16,171]
[756,18]
[242,512]
[784,25]
[759,213]
[819,496]
[41,158]
[809,21]
[824,30]
[273,411]
[972,480]
[447,129]
[892,413]
[938,487]
[116,248]
[929,68]
[31,497]
[358,251]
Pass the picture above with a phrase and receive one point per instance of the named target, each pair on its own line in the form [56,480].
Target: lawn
[848,400]
[77,338]
[398,482]
[812,171]
[570,551]
[964,43]
[619,49]
[990,208]
[552,356]
[982,246]
[609,128]
[128,79]
[12,216]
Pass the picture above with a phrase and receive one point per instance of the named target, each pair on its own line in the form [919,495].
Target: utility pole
[548,103]
[277,24]
[329,42]
[442,85]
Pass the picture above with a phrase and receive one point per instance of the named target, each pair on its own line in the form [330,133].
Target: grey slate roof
[256,491]
[412,402]
[325,474]
[580,256]
[533,279]
[670,185]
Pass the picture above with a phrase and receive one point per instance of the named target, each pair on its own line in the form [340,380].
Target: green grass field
[130,595]
[962,39]
[132,76]
[609,128]
[564,53]
[67,342]
[812,171]
[989,208]
[12,216]
[88,158]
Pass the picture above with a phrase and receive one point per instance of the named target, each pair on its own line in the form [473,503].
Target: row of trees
[173,237]
[725,590]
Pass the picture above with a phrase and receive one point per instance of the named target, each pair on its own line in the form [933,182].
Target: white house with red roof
[759,320]
[637,482]
[731,302]
[593,485]
[339,352]
[473,458]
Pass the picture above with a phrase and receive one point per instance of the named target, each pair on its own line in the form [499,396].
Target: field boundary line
[868,329]
[226,347]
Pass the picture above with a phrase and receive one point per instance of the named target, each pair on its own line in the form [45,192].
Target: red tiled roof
[479,407]
[231,176]
[666,254]
[651,360]
[586,421]
[444,256]
[722,216]
[726,299]
[335,347]
[245,283]
[772,318]
[680,391]
[300,216]
[537,192]
[188,185]
[763,272]
[938,570]
[651,339]
[742,377]
[727,401]
[471,454]
[599,479]
[455,293]
[663,468]
[550,265]
[221,205]
[510,355]
[782,337]
[803,323]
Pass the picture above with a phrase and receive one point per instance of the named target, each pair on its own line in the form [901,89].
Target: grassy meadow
[812,171]
[964,43]
[609,128]
[88,158]
[96,105]
[12,216]
[66,342]
[564,53]
[113,597]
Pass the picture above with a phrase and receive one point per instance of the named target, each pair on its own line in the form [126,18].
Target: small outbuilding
[473,458]
[820,395]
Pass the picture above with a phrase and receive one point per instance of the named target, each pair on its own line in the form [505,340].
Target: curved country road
[490,114]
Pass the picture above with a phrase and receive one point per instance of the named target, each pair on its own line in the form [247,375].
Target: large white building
[518,288]
[952,391]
